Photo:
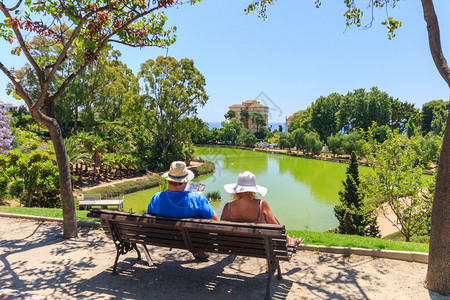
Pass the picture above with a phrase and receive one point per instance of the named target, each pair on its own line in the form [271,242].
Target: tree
[247,138]
[396,184]
[32,172]
[231,114]
[230,131]
[353,219]
[323,116]
[438,276]
[430,112]
[6,137]
[313,143]
[335,143]
[76,154]
[259,120]
[284,142]
[172,90]
[298,138]
[245,115]
[95,24]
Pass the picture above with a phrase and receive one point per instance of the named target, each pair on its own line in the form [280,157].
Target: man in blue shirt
[178,203]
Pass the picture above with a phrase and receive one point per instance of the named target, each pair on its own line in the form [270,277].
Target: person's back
[245,207]
[178,203]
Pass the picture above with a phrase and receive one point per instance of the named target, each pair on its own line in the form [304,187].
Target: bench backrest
[246,239]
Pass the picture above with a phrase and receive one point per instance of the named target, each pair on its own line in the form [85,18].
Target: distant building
[252,106]
[8,106]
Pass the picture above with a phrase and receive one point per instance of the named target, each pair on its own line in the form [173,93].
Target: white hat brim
[190,175]
[234,188]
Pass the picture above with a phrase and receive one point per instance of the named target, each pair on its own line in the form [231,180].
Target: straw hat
[178,172]
[246,183]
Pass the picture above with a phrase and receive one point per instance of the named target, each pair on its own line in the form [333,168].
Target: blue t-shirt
[181,204]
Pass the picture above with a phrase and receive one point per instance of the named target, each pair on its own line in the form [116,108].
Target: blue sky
[297,55]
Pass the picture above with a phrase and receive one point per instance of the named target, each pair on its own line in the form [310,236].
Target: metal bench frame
[243,239]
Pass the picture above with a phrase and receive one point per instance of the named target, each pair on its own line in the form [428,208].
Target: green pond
[301,192]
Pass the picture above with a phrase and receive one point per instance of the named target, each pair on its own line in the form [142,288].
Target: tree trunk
[65,183]
[438,275]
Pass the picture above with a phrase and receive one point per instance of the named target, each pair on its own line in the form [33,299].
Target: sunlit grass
[342,240]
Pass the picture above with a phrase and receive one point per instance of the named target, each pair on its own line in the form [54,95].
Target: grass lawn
[342,240]
[43,212]
[312,238]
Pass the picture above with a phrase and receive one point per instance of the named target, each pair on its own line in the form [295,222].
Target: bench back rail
[243,239]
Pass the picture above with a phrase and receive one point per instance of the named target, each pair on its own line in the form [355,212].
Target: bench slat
[95,213]
[220,226]
[152,230]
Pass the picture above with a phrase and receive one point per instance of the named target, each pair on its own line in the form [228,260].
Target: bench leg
[269,279]
[147,255]
[138,252]
[123,248]
[279,272]
[114,272]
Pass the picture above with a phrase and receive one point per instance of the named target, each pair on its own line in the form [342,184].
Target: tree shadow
[40,242]
[177,275]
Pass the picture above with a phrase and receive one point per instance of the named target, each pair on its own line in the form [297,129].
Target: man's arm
[215,217]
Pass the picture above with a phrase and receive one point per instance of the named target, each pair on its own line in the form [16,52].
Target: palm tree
[244,117]
[76,154]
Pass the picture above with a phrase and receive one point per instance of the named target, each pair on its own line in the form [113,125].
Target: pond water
[301,192]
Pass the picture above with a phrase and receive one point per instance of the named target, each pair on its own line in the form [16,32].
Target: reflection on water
[301,192]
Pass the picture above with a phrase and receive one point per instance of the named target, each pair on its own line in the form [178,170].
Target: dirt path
[35,260]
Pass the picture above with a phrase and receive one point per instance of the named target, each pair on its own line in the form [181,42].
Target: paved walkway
[36,263]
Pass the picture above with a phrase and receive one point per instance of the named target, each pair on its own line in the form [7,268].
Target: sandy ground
[35,260]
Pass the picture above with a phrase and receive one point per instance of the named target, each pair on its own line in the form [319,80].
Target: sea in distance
[275,125]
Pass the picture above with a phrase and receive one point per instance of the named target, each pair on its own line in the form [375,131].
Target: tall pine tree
[350,213]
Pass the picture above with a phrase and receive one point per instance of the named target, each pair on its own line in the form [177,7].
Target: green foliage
[127,186]
[335,142]
[246,138]
[323,116]
[244,117]
[284,141]
[313,144]
[259,120]
[213,195]
[434,114]
[353,15]
[396,184]
[230,131]
[43,212]
[298,138]
[344,240]
[231,114]
[352,217]
[172,90]
[205,168]
[30,173]
[352,142]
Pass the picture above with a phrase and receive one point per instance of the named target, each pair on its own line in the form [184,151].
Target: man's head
[178,175]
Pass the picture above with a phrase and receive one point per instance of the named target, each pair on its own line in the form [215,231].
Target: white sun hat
[178,172]
[246,183]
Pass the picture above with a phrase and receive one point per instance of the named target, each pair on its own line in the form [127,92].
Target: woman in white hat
[246,207]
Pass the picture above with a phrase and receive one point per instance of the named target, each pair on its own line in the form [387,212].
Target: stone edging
[47,219]
[390,254]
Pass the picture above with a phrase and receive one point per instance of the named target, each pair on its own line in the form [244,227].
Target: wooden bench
[243,239]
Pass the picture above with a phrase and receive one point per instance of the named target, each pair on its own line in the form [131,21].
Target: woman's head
[246,183]
[244,196]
